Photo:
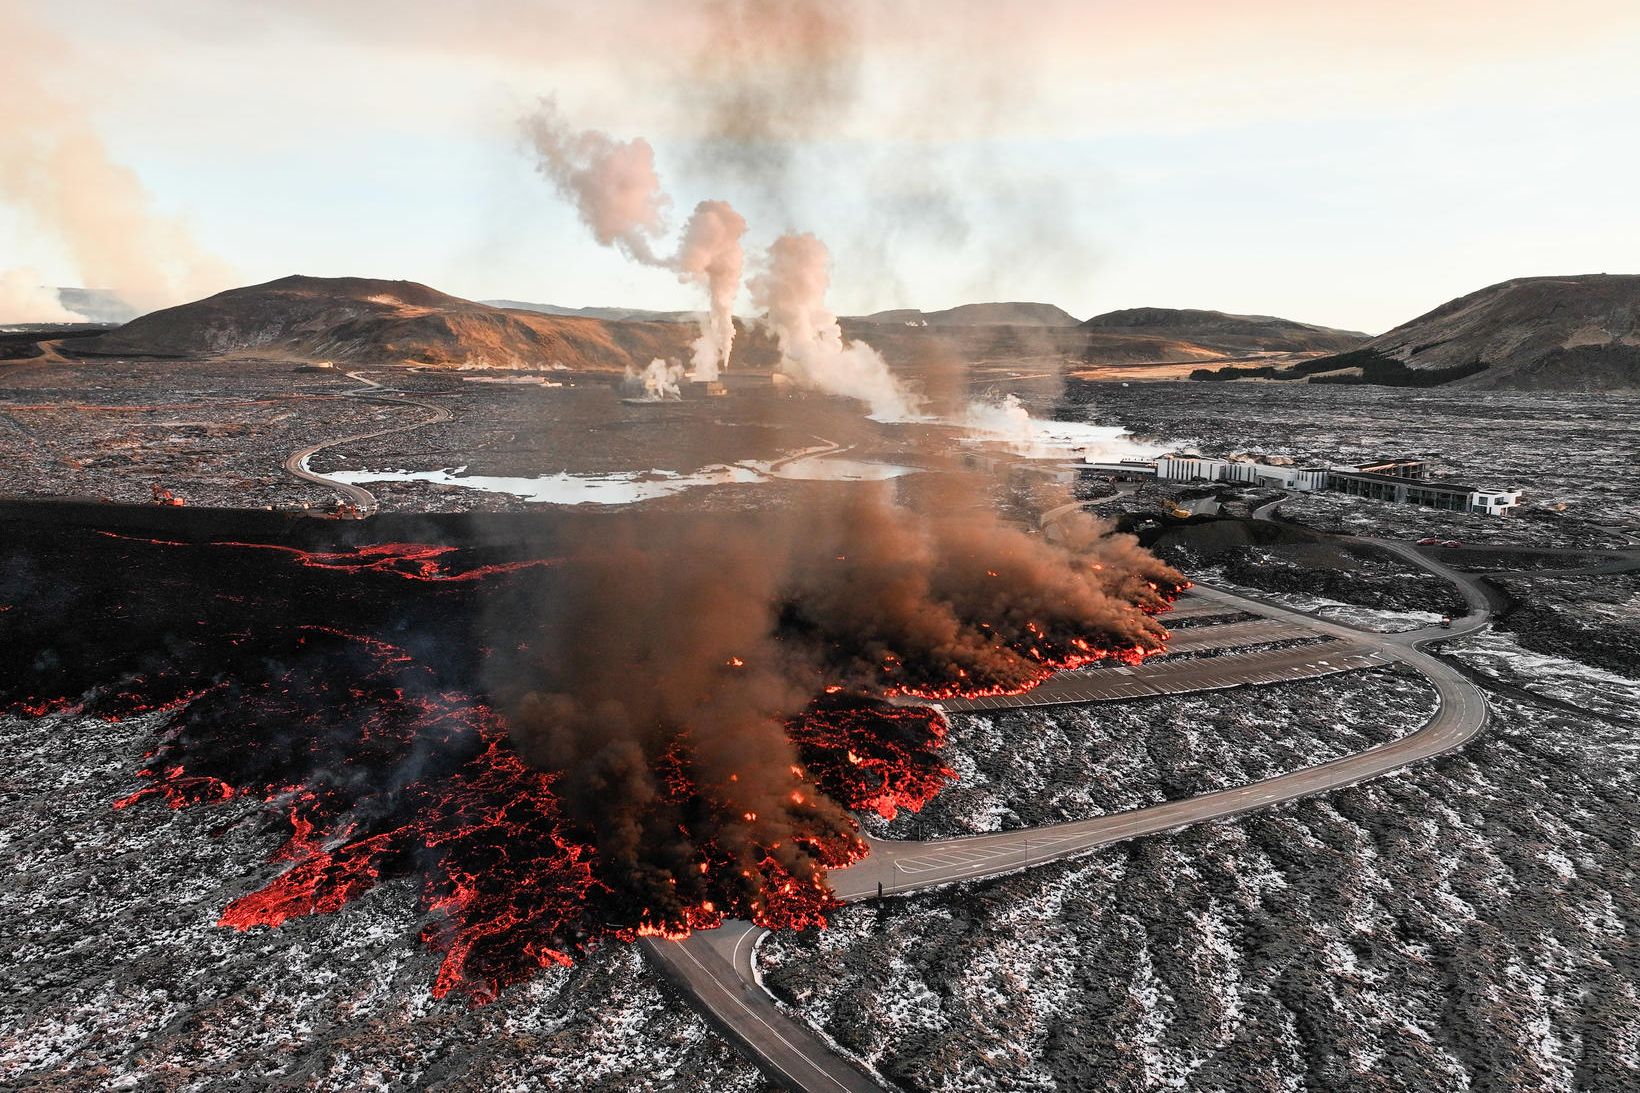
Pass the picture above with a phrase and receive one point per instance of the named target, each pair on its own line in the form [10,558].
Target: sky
[1351,164]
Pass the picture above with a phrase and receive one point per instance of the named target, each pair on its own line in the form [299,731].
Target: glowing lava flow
[512,888]
[375,774]
[871,756]
[347,711]
[377,777]
[412,561]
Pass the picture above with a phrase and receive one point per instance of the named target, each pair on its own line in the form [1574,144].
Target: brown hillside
[1579,333]
[362,320]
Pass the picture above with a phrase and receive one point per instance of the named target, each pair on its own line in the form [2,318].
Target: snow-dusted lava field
[1467,924]
[116,976]
[1030,767]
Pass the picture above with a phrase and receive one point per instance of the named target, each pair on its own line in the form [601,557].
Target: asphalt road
[364,502]
[1184,676]
[716,968]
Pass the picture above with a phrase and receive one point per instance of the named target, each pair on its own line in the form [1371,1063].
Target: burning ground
[598,729]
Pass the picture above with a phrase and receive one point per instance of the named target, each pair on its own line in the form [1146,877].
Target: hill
[1222,332]
[995,314]
[1579,333]
[355,319]
[619,314]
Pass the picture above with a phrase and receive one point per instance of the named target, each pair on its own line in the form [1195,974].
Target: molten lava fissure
[637,729]
[513,887]
[412,561]
[871,756]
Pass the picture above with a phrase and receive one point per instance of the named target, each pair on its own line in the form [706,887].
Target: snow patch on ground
[1466,924]
[1375,620]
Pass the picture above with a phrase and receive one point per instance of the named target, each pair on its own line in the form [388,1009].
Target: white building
[1402,480]
[1494,502]
[1192,468]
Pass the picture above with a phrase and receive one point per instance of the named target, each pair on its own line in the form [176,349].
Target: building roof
[1397,480]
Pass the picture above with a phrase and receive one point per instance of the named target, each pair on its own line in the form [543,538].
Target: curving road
[717,968]
[363,501]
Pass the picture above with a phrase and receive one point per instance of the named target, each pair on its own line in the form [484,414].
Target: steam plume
[55,168]
[612,183]
[616,191]
[24,300]
[656,383]
[792,292]
[711,255]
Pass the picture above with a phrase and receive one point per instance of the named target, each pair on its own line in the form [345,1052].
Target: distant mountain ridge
[357,319]
[991,314]
[618,314]
[1225,331]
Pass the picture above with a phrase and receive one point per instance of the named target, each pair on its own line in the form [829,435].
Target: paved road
[1189,608]
[1614,559]
[716,967]
[1231,635]
[364,502]
[1167,676]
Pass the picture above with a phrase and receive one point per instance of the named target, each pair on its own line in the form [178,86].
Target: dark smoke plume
[684,655]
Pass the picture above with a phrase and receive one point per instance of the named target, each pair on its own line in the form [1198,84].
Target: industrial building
[1404,481]
[1190,468]
[1408,490]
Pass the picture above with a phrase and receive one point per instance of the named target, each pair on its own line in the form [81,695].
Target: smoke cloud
[24,300]
[679,652]
[56,170]
[791,290]
[617,193]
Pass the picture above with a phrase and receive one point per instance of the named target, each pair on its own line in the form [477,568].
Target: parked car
[1429,541]
[1452,543]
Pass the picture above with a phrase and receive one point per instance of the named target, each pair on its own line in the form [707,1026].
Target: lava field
[1468,924]
[1575,456]
[1028,768]
[387,704]
[118,976]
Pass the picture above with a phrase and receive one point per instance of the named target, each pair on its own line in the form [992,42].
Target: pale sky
[1352,164]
